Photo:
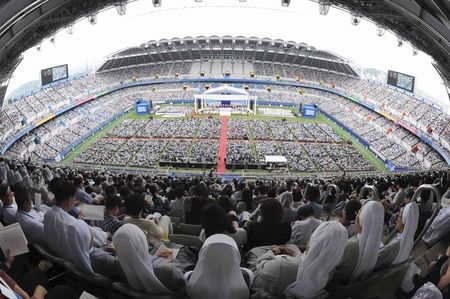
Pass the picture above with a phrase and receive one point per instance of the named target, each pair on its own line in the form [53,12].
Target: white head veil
[371,219]
[410,219]
[80,237]
[132,251]
[217,273]
[326,248]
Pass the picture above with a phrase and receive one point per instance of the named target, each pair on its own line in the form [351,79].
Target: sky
[89,45]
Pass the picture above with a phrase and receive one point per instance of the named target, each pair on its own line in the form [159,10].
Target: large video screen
[401,80]
[54,74]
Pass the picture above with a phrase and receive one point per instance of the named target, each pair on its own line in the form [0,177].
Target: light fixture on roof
[380,31]
[156,3]
[400,42]
[324,7]
[52,39]
[242,0]
[356,19]
[38,48]
[121,8]
[69,29]
[414,51]
[285,3]
[92,19]
[198,0]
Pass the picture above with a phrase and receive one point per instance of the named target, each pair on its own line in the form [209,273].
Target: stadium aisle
[222,145]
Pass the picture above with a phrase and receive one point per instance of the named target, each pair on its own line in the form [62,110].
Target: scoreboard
[54,74]
[401,80]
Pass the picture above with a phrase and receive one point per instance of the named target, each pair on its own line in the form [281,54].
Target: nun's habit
[371,219]
[132,250]
[361,252]
[326,248]
[217,273]
[399,249]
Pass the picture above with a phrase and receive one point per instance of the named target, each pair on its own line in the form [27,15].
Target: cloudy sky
[300,22]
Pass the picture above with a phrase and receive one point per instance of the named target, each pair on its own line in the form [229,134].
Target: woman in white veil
[409,221]
[369,224]
[217,273]
[326,248]
[132,251]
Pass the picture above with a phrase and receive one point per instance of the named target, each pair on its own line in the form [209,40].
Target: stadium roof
[229,48]
[424,23]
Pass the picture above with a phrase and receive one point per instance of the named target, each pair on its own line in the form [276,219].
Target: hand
[40,292]
[276,250]
[109,248]
[77,202]
[9,258]
[165,253]
[288,251]
[448,251]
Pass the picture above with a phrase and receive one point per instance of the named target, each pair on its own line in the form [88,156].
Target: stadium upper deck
[228,48]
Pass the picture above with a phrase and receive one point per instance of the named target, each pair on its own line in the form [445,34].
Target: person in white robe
[132,251]
[361,252]
[439,228]
[30,220]
[217,273]
[325,249]
[398,250]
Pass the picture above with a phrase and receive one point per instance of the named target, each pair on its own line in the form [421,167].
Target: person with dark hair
[158,201]
[80,194]
[134,206]
[268,230]
[349,215]
[177,205]
[303,228]
[193,205]
[112,208]
[312,196]
[72,238]
[225,202]
[9,209]
[31,221]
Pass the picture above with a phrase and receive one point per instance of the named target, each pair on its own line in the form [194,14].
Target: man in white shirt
[31,221]
[303,229]
[9,209]
[57,222]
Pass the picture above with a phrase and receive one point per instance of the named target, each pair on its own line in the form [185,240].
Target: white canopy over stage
[225,96]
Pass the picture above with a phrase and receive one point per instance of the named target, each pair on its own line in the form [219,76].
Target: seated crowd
[257,238]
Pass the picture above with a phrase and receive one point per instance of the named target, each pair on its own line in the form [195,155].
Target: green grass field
[378,164]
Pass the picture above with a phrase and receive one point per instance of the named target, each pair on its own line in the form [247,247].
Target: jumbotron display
[401,80]
[54,74]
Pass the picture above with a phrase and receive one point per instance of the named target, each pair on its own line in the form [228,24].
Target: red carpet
[222,145]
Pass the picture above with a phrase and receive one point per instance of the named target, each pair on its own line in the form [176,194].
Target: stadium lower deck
[193,143]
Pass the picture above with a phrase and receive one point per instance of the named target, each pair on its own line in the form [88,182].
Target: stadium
[225,166]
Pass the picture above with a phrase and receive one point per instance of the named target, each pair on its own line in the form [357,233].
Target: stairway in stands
[222,146]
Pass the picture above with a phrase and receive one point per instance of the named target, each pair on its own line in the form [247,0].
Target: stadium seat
[126,290]
[95,279]
[48,255]
[190,229]
[390,279]
[186,240]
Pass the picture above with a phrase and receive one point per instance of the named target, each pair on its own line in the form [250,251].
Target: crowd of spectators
[278,226]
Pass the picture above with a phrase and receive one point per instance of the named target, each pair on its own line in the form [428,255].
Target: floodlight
[52,39]
[92,19]
[121,8]
[242,0]
[356,19]
[324,7]
[380,31]
[69,29]
[198,0]
[285,3]
[156,3]
[414,51]
[400,42]
[38,48]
